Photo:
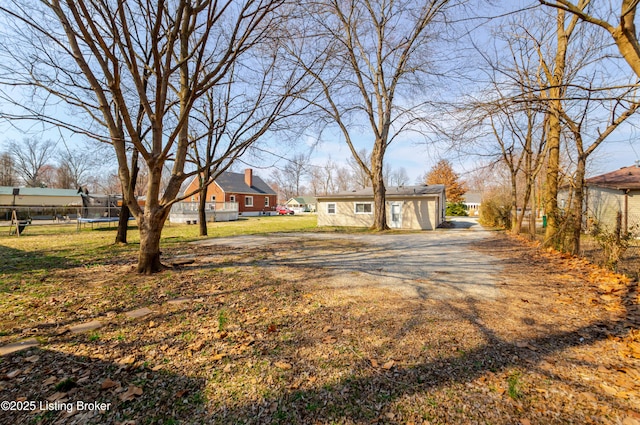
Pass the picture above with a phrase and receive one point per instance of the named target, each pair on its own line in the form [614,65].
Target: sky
[410,153]
[417,157]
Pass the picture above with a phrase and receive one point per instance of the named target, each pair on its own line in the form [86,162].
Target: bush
[456,209]
[495,211]
[614,242]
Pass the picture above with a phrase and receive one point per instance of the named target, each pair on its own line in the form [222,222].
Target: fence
[190,207]
[45,215]
[187,212]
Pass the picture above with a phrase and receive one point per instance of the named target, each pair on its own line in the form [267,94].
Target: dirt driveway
[424,265]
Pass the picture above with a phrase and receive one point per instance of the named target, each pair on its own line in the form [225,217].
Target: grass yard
[236,337]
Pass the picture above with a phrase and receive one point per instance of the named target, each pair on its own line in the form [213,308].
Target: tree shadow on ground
[370,396]
[15,261]
[57,381]
[363,393]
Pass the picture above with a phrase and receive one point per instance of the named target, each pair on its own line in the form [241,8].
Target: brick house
[251,193]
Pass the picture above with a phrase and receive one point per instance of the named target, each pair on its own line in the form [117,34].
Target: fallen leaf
[13,373]
[388,365]
[131,393]
[32,359]
[609,390]
[329,339]
[282,365]
[523,344]
[374,362]
[197,346]
[127,360]
[57,396]
[588,397]
[108,383]
[326,328]
[50,381]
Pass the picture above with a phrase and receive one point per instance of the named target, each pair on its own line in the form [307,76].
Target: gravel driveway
[425,265]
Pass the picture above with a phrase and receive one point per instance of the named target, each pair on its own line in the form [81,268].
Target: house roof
[391,192]
[39,191]
[624,178]
[234,182]
[472,197]
[303,200]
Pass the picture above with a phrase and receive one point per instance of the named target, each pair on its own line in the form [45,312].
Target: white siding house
[408,207]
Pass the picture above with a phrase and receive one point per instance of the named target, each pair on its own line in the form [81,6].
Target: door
[396,215]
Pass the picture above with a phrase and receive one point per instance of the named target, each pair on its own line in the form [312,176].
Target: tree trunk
[150,225]
[379,190]
[525,202]
[123,224]
[202,214]
[578,200]
[533,216]
[551,188]
[556,94]
[515,229]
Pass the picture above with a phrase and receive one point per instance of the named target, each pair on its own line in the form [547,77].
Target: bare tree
[552,77]
[577,100]
[622,30]
[30,156]
[125,63]
[361,53]
[343,179]
[621,107]
[398,177]
[322,178]
[512,110]
[285,186]
[295,169]
[8,176]
[234,114]
[74,166]
[361,178]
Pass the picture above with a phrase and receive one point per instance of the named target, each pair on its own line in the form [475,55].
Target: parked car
[284,211]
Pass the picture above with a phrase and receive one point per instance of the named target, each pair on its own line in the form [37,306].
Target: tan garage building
[408,207]
[39,196]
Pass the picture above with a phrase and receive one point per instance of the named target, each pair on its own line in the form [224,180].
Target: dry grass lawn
[228,341]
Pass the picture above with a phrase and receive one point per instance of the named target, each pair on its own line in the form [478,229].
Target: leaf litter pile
[223,339]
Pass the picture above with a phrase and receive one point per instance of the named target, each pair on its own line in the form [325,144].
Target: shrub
[495,211]
[613,241]
[456,209]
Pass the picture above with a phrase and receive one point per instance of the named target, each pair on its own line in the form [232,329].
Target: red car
[284,211]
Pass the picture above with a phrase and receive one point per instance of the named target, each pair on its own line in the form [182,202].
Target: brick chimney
[248,177]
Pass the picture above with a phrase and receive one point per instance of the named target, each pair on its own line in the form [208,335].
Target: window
[232,198]
[331,208]
[363,208]
[248,201]
[213,198]
[266,201]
